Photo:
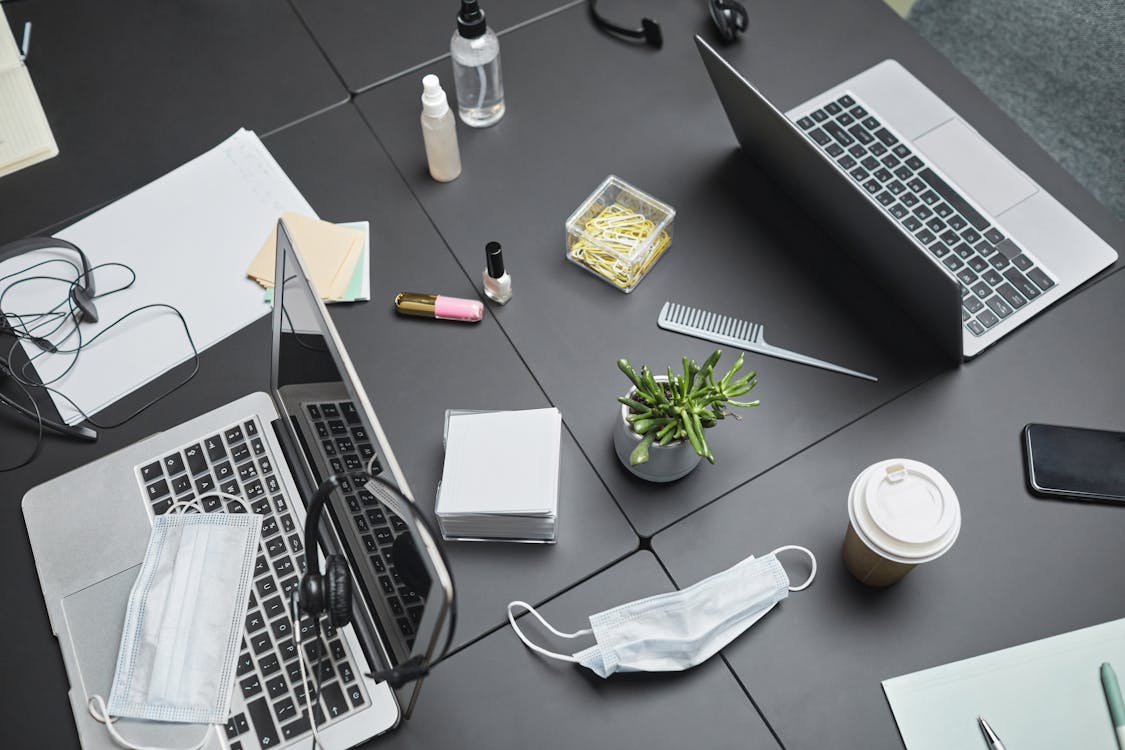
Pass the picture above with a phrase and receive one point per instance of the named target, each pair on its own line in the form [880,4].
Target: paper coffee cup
[901,514]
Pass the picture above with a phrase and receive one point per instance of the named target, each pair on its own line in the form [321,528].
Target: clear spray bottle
[475,50]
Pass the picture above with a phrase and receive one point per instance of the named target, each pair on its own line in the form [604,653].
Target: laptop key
[234,434]
[999,306]
[886,137]
[999,260]
[162,506]
[901,151]
[204,484]
[157,490]
[890,161]
[295,728]
[911,223]
[834,109]
[174,464]
[858,112]
[988,318]
[1022,262]
[262,720]
[845,119]
[151,471]
[251,428]
[991,277]
[181,484]
[908,199]
[952,263]
[973,304]
[333,699]
[1021,283]
[870,163]
[914,163]
[975,327]
[896,187]
[982,290]
[967,276]
[936,225]
[820,137]
[805,123]
[251,686]
[903,173]
[925,236]
[254,622]
[858,132]
[240,452]
[963,251]
[957,222]
[953,198]
[899,211]
[277,687]
[858,151]
[245,664]
[923,211]
[993,235]
[878,148]
[871,186]
[971,236]
[882,175]
[212,504]
[939,249]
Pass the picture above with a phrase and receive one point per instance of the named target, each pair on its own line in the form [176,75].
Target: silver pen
[990,737]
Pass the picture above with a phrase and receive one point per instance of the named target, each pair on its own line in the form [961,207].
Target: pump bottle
[439,132]
[475,50]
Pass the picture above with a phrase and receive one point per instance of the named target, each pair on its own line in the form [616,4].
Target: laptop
[89,530]
[965,242]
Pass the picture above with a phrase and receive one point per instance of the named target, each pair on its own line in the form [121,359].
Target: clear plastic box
[619,233]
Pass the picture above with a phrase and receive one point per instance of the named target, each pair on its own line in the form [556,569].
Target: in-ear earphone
[649,32]
[730,18]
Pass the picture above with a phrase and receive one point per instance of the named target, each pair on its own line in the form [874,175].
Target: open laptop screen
[403,591]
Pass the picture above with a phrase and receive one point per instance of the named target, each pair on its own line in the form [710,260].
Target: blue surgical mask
[184,620]
[678,630]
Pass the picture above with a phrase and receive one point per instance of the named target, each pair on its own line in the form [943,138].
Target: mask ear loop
[539,617]
[96,706]
[812,557]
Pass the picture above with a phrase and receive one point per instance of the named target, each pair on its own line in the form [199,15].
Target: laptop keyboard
[268,709]
[997,276]
[346,446]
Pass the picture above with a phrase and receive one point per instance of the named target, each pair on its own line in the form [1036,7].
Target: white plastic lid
[434,103]
[905,509]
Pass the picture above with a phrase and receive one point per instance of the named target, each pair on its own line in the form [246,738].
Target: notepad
[501,476]
[1042,695]
[331,254]
[25,135]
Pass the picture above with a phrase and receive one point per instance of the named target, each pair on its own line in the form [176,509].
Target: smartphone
[1075,462]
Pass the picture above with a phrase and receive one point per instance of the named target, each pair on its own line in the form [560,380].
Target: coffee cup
[901,513]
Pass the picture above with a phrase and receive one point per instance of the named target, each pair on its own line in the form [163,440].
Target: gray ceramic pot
[665,463]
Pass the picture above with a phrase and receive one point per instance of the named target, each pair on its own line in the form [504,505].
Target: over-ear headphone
[730,18]
[330,593]
[82,293]
[649,32]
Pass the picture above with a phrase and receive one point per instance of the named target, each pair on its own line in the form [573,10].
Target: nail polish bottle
[497,281]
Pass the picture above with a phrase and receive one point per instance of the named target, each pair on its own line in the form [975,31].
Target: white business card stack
[501,476]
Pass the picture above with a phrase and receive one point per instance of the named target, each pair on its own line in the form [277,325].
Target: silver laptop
[969,246]
[89,529]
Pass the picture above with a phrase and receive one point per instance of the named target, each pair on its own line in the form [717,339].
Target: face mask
[678,630]
[184,620]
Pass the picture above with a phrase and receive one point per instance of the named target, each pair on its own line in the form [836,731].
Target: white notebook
[501,475]
[25,135]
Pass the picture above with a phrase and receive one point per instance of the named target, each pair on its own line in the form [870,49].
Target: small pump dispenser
[439,132]
[497,281]
[475,51]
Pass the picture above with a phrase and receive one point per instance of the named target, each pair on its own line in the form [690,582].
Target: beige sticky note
[330,254]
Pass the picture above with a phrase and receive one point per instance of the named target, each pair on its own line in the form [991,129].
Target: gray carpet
[1057,67]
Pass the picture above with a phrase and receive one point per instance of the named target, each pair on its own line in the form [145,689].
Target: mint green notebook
[1044,695]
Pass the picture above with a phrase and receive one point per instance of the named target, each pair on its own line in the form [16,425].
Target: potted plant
[661,432]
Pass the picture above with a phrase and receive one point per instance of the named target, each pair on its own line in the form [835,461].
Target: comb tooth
[742,327]
[756,333]
[677,312]
[720,321]
[696,314]
[669,311]
[724,325]
[731,323]
[705,321]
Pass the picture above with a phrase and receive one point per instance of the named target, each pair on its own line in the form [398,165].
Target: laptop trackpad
[95,617]
[975,166]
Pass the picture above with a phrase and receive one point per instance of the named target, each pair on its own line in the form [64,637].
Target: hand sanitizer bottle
[439,132]
[475,50]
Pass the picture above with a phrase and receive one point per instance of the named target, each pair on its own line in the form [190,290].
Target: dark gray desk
[660,126]
[498,694]
[370,41]
[1022,568]
[133,89]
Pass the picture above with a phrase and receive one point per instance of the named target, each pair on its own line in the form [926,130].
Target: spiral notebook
[25,135]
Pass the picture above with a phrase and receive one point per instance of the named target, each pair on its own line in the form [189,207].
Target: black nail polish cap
[494,259]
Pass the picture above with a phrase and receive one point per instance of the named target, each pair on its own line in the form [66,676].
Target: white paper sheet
[189,236]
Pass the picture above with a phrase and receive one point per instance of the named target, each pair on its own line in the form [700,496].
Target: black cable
[28,327]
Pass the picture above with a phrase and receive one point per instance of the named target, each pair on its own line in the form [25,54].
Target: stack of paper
[25,136]
[336,256]
[501,476]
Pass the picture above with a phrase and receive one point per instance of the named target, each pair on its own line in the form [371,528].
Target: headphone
[82,294]
[330,593]
[730,19]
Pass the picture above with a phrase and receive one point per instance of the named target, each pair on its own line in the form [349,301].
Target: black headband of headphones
[649,32]
[83,290]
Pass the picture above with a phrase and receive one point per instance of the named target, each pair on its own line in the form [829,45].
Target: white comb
[741,334]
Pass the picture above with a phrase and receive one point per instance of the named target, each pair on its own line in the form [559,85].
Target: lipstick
[439,306]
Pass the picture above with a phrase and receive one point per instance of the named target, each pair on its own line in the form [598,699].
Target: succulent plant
[684,406]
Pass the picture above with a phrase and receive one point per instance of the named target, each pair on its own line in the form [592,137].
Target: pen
[990,737]
[437,306]
[1116,705]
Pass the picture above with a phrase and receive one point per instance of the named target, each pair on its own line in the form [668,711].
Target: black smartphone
[1075,462]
